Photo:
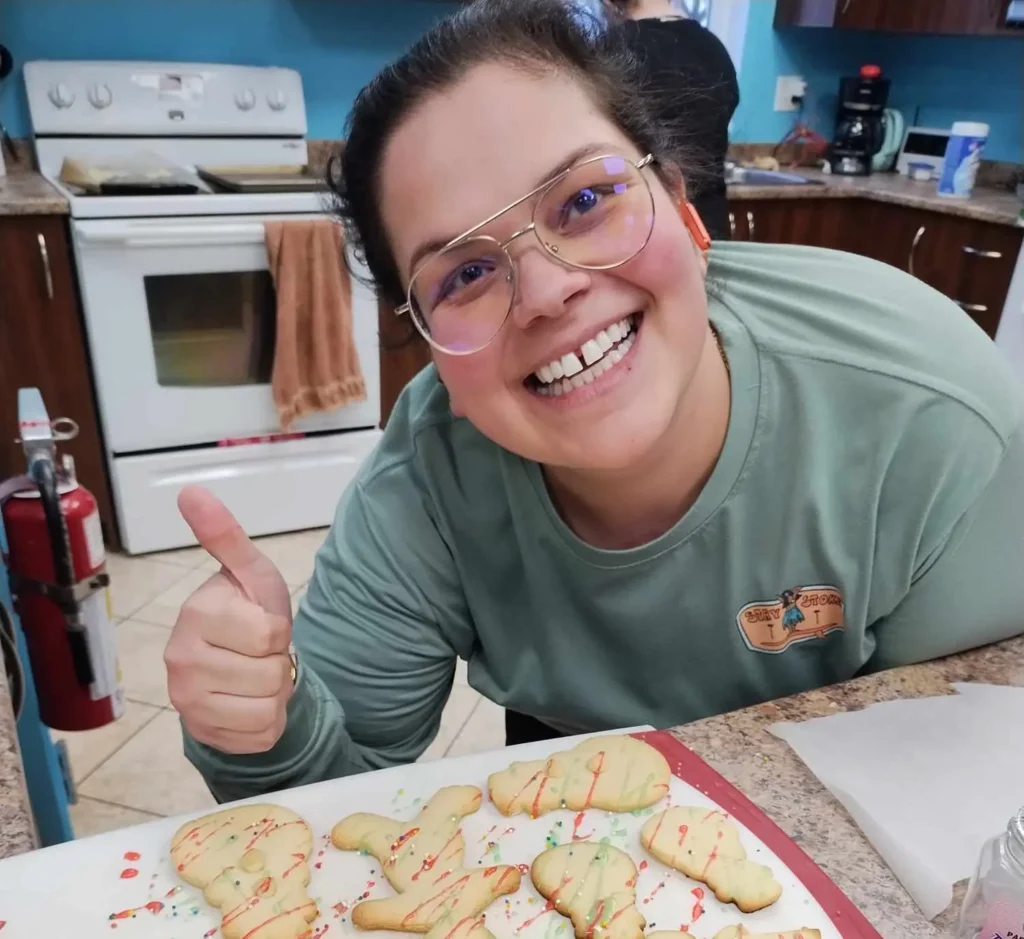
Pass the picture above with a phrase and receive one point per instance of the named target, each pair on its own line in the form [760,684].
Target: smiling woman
[622,497]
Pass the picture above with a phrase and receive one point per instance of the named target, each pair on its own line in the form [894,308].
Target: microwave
[1015,14]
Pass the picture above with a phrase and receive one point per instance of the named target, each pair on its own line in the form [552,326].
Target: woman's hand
[229,672]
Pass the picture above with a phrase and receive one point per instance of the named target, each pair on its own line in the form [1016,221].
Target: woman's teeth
[602,352]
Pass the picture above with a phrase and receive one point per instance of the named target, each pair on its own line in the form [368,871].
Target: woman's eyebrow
[574,157]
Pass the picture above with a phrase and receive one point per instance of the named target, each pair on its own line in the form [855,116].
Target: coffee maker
[859,130]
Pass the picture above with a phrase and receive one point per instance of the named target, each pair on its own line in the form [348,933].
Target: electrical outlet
[788,87]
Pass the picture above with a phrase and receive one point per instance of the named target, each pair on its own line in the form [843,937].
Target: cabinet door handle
[913,248]
[971,307]
[846,6]
[44,255]
[732,224]
[751,233]
[975,252]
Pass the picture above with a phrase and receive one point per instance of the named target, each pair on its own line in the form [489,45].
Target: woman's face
[460,157]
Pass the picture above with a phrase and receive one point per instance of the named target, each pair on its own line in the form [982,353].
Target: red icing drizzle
[657,828]
[535,808]
[256,929]
[529,783]
[154,907]
[593,784]
[300,859]
[429,862]
[132,855]
[698,908]
[243,907]
[548,907]
[712,856]
[128,873]
[437,897]
[469,919]
[402,839]
[655,892]
[576,836]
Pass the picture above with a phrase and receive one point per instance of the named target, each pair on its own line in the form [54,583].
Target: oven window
[212,329]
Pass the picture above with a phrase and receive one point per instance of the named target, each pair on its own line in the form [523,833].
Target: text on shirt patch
[795,615]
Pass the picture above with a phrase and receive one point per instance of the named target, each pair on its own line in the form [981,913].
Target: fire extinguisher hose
[45,474]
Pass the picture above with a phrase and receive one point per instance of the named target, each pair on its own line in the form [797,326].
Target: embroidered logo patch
[796,615]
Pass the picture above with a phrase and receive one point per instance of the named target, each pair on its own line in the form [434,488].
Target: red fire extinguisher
[57,567]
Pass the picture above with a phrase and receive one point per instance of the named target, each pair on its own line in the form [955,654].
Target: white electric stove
[179,304]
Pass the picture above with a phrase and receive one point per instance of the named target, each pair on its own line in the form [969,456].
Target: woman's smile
[592,369]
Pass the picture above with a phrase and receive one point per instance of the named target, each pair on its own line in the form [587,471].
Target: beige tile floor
[133,770]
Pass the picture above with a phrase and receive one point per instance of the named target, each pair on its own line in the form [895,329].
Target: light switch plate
[788,87]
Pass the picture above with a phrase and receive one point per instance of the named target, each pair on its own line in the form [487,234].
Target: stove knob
[100,96]
[277,100]
[245,99]
[61,95]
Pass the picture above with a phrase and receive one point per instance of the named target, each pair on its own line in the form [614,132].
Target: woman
[614,480]
[691,85]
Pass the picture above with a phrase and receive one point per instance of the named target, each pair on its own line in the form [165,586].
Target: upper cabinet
[952,17]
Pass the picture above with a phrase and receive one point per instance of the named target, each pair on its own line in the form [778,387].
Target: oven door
[181,316]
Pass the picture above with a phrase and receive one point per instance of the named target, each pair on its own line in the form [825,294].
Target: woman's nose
[544,287]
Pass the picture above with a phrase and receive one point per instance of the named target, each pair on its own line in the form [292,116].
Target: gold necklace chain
[721,351]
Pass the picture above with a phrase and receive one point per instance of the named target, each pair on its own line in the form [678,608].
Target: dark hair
[536,36]
[621,8]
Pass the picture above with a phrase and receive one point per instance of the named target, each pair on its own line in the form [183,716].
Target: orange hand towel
[316,365]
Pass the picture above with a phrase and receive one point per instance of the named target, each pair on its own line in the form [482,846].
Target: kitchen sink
[747,176]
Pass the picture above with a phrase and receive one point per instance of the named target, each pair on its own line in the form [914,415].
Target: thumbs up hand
[229,673]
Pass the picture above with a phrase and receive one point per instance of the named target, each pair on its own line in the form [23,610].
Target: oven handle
[179,236]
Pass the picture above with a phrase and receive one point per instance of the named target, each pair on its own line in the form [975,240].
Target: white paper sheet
[927,780]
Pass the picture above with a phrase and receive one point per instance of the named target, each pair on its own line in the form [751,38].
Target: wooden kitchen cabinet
[952,17]
[42,345]
[403,353]
[969,261]
[822,223]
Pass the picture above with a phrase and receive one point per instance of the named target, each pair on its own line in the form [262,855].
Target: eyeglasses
[595,216]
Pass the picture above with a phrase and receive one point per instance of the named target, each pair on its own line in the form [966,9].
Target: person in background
[646,479]
[691,85]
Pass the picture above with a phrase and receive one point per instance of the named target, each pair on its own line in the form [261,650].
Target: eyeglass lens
[599,215]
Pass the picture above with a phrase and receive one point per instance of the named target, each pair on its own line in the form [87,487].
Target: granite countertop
[17,833]
[740,747]
[985,205]
[27,193]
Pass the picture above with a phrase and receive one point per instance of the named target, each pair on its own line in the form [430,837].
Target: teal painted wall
[946,78]
[338,45]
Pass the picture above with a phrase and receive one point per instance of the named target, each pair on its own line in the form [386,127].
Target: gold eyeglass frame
[502,246]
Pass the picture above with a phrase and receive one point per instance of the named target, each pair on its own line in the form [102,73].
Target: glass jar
[994,905]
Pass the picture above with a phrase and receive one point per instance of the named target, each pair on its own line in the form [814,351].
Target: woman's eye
[465,275]
[583,202]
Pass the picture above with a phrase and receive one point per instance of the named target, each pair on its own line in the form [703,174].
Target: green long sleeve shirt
[867,511]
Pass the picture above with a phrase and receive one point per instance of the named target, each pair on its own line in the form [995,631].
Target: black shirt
[693,89]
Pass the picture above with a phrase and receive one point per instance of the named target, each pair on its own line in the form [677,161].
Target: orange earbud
[694,226]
